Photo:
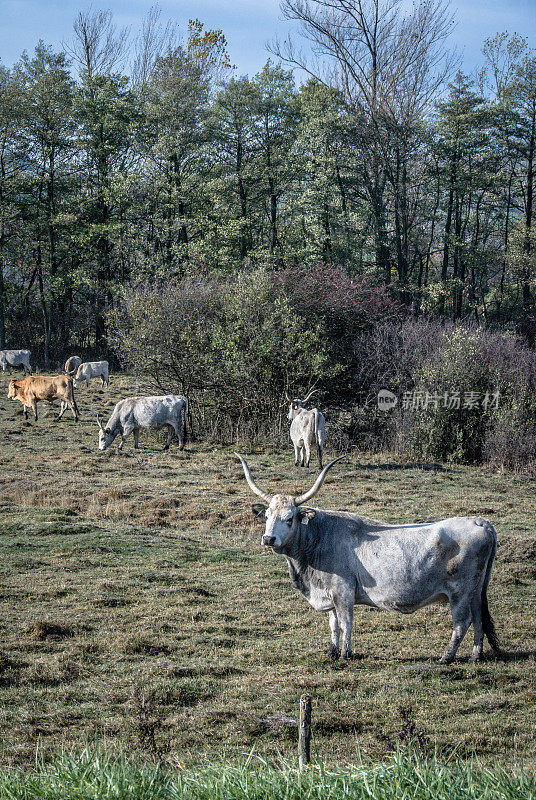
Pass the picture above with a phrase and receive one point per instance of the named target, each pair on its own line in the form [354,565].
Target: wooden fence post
[304,731]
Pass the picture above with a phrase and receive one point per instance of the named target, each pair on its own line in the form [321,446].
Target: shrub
[430,361]
[231,347]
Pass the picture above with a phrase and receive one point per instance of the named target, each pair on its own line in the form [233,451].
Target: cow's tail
[71,397]
[319,429]
[487,621]
[185,420]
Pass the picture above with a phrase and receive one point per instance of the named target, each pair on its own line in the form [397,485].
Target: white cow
[338,560]
[15,358]
[134,413]
[307,427]
[92,369]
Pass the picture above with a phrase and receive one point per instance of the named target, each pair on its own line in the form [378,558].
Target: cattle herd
[336,559]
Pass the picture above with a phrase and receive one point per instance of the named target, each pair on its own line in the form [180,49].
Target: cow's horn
[100,423]
[289,400]
[303,498]
[251,483]
[311,393]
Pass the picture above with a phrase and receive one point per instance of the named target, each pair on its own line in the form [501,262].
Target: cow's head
[106,436]
[12,390]
[296,404]
[284,514]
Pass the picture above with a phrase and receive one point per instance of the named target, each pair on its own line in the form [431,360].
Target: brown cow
[37,387]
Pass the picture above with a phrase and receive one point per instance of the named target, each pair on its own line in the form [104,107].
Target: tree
[388,65]
[11,100]
[45,144]
[275,124]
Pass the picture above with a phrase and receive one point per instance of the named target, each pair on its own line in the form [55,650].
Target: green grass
[94,776]
[137,606]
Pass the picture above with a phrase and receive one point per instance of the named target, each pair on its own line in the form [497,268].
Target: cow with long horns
[308,426]
[338,560]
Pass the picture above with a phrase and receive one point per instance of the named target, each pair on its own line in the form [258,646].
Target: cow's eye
[289,522]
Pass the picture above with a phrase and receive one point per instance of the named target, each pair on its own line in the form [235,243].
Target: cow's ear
[259,510]
[306,514]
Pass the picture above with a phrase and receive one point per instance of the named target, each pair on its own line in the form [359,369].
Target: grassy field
[139,609]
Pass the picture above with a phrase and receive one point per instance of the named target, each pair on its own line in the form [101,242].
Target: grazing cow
[30,390]
[92,369]
[337,560]
[134,413]
[307,427]
[72,364]
[15,358]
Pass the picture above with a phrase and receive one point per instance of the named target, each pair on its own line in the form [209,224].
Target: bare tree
[98,45]
[389,66]
[383,60]
[153,41]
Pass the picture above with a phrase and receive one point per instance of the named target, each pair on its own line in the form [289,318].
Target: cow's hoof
[475,659]
[446,660]
[333,652]
[347,655]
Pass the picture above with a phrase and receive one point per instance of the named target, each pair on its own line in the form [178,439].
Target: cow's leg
[34,406]
[319,450]
[476,612]
[136,435]
[307,453]
[63,406]
[169,437]
[461,619]
[87,384]
[178,431]
[296,454]
[25,411]
[333,650]
[67,404]
[345,615]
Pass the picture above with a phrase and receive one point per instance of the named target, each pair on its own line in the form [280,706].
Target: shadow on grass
[392,466]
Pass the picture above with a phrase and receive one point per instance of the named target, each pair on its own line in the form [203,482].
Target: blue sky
[247,24]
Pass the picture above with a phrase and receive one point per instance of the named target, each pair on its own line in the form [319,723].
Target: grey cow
[15,358]
[337,560]
[134,413]
[307,427]
[72,364]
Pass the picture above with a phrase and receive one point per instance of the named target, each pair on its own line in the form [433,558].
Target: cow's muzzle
[268,541]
